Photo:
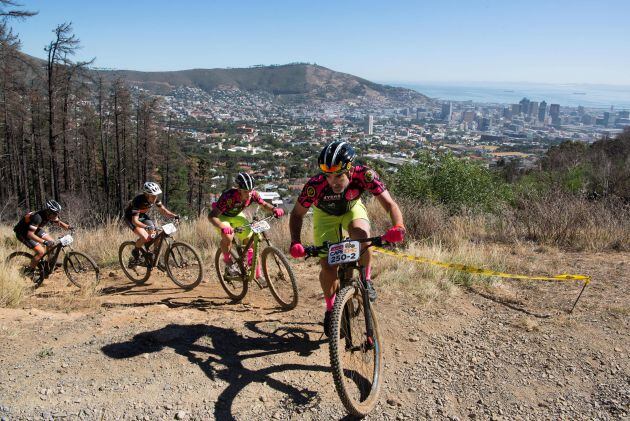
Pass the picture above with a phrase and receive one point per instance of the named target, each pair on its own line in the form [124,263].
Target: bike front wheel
[81,269]
[356,359]
[137,272]
[184,265]
[279,277]
[233,277]
[21,261]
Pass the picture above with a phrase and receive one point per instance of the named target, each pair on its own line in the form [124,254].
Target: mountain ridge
[286,81]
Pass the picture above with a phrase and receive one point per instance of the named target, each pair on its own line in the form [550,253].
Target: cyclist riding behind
[137,219]
[30,233]
[227,214]
[336,196]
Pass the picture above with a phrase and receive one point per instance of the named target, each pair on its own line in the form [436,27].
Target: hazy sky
[554,41]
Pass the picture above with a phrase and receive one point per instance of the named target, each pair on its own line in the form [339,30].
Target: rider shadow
[220,354]
[200,304]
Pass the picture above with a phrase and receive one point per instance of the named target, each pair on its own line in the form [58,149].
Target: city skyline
[564,42]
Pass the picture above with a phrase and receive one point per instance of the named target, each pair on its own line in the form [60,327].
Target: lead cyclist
[335,194]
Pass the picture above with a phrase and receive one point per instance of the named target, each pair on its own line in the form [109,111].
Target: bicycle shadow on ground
[220,354]
[200,304]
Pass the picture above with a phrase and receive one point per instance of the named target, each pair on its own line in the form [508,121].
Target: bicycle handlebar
[313,251]
[243,227]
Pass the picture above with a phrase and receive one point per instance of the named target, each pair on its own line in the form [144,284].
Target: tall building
[468,116]
[447,111]
[369,125]
[524,106]
[533,109]
[554,113]
[542,111]
[516,109]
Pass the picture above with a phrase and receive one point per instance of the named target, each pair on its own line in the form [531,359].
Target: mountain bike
[80,268]
[356,348]
[180,260]
[276,269]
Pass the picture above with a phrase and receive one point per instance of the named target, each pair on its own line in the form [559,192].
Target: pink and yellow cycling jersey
[318,192]
[230,203]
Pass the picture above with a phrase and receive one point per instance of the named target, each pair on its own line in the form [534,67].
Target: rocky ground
[157,352]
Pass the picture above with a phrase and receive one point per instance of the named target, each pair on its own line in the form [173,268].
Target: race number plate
[260,226]
[169,229]
[66,240]
[345,252]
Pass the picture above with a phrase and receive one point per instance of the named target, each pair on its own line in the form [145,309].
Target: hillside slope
[307,81]
[157,352]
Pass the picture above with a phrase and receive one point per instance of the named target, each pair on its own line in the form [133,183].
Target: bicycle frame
[153,248]
[49,260]
[344,270]
[344,280]
[254,243]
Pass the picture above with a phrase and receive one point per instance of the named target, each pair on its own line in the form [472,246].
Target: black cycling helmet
[245,181]
[53,206]
[336,157]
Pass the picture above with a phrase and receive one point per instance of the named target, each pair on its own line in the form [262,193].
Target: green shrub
[453,182]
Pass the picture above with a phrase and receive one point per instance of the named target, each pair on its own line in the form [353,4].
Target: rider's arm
[267,206]
[213,217]
[135,219]
[62,224]
[386,201]
[166,212]
[31,235]
[256,198]
[295,222]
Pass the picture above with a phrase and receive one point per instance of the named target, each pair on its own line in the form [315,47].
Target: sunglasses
[335,169]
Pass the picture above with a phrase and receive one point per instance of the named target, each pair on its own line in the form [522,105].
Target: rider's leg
[40,251]
[226,245]
[143,238]
[329,282]
[358,230]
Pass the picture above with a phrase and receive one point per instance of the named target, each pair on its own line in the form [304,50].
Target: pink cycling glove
[396,234]
[227,230]
[278,212]
[297,250]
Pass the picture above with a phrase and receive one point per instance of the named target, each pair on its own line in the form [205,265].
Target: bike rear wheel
[81,269]
[356,360]
[21,260]
[234,285]
[184,265]
[137,273]
[279,277]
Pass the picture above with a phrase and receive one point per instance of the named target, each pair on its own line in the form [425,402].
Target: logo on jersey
[230,202]
[310,191]
[352,194]
[369,176]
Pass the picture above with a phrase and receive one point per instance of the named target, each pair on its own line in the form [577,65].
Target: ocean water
[573,95]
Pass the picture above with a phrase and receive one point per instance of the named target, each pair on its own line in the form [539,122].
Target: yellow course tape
[479,271]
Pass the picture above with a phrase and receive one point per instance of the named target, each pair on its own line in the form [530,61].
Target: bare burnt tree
[61,48]
[13,125]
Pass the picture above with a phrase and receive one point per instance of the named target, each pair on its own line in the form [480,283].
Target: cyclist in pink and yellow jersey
[336,197]
[227,214]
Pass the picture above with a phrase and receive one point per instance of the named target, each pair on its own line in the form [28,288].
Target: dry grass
[481,240]
[568,222]
[430,282]
[13,289]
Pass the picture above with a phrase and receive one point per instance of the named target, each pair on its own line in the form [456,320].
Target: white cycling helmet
[151,188]
[53,206]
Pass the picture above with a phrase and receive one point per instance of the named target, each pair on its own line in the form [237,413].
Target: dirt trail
[157,352]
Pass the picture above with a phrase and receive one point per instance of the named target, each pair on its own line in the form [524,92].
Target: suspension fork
[369,323]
